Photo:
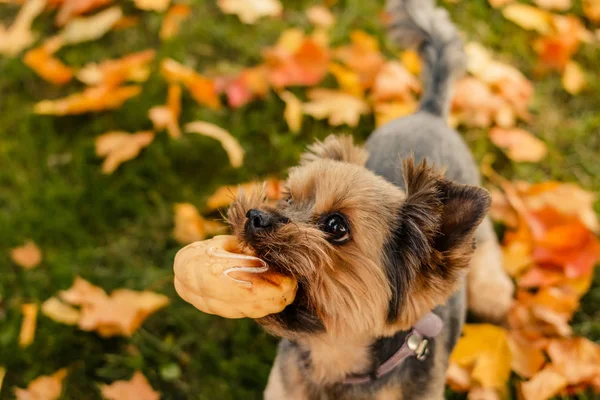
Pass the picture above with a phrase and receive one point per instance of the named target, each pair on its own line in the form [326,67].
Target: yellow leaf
[484,348]
[560,5]
[528,17]
[386,112]
[224,195]
[2,375]
[573,79]
[19,35]
[152,5]
[591,8]
[191,227]
[527,360]
[28,325]
[412,61]
[519,144]
[27,256]
[320,16]
[293,111]
[394,82]
[172,21]
[133,67]
[136,388]
[92,99]
[201,88]
[347,79]
[544,385]
[517,257]
[458,378]
[339,107]
[250,11]
[58,311]
[84,29]
[167,116]
[232,147]
[119,147]
[43,387]
[49,68]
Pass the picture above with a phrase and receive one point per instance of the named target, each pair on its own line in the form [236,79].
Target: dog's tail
[418,23]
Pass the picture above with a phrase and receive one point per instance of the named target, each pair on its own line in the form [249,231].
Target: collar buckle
[418,345]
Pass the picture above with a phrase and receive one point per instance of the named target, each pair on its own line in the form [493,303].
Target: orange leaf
[172,21]
[133,67]
[249,84]
[526,359]
[230,144]
[528,17]
[386,112]
[225,195]
[19,36]
[458,378]
[119,147]
[84,29]
[338,107]
[202,89]
[49,68]
[27,256]
[152,5]
[591,8]
[320,16]
[82,293]
[476,105]
[394,82]
[544,385]
[167,116]
[251,11]
[519,144]
[573,79]
[43,387]
[92,99]
[555,50]
[72,8]
[136,388]
[191,227]
[412,62]
[362,56]
[501,209]
[28,325]
[560,5]
[576,359]
[347,79]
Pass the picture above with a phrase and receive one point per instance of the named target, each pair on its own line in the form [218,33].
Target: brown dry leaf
[527,360]
[573,79]
[133,67]
[320,16]
[544,385]
[519,144]
[224,195]
[173,19]
[71,8]
[167,116]
[27,256]
[528,17]
[386,112]
[201,88]
[118,147]
[458,378]
[28,325]
[250,11]
[576,359]
[58,311]
[347,79]
[338,107]
[136,388]
[560,5]
[45,387]
[293,111]
[232,147]
[92,99]
[395,82]
[484,348]
[591,8]
[362,56]
[49,68]
[152,5]
[84,29]
[191,227]
[19,36]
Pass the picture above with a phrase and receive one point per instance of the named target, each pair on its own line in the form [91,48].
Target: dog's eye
[337,228]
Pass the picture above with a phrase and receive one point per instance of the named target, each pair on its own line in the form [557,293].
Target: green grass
[116,230]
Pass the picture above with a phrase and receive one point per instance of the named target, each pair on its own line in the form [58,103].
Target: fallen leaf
[201,88]
[19,36]
[556,49]
[71,8]
[191,227]
[573,79]
[560,5]
[480,393]
[84,29]
[27,256]
[501,209]
[528,17]
[232,147]
[320,16]
[82,292]
[245,87]
[136,388]
[338,107]
[173,19]
[126,21]
[2,375]
[591,8]
[45,387]
[475,105]
[292,112]
[133,67]
[152,5]
[484,348]
[362,56]
[386,112]
[516,256]
[458,378]
[526,359]
[576,359]
[225,195]
[544,385]
[412,62]
[500,3]
[347,79]
[519,144]
[58,311]
[92,99]
[167,116]
[250,11]
[28,325]
[49,68]
[118,147]
[394,82]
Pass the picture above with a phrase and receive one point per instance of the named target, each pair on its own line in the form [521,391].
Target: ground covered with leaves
[118,133]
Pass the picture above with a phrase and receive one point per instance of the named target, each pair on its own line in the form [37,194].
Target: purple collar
[415,344]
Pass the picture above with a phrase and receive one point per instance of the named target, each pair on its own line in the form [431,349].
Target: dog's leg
[489,289]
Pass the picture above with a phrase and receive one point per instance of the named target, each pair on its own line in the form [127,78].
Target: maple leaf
[191,227]
[167,116]
[591,8]
[362,56]
[484,348]
[173,19]
[225,195]
[556,49]
[339,107]
[293,111]
[458,378]
[527,360]
[347,79]
[92,99]
[49,68]
[320,16]
[136,388]
[133,67]
[395,82]
[43,387]
[201,88]
[58,311]
[152,5]
[119,147]
[519,144]
[576,359]
[232,147]
[28,325]
[573,79]
[386,112]
[476,105]
[19,35]
[84,29]
[412,61]
[245,87]
[250,11]
[27,256]
[72,8]
[544,385]
[82,292]
[528,17]
[560,5]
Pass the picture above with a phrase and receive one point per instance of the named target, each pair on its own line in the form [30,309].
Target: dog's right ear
[337,148]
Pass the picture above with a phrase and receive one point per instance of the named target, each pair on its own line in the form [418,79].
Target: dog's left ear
[337,148]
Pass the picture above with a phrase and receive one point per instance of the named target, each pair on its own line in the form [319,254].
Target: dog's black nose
[258,219]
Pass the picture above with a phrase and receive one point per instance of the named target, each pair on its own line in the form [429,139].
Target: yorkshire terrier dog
[387,248]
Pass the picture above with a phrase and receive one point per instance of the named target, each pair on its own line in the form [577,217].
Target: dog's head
[368,256]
